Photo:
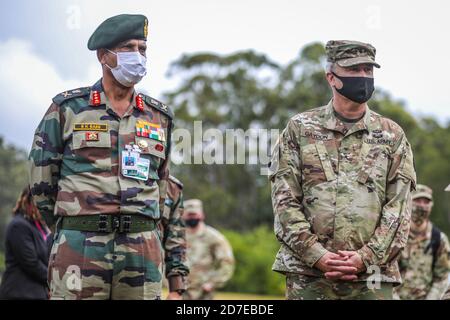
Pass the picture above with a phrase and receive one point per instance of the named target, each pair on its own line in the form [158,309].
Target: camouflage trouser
[93,265]
[198,294]
[300,287]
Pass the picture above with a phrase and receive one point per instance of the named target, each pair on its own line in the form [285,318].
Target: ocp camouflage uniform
[210,260]
[423,279]
[75,166]
[174,236]
[338,187]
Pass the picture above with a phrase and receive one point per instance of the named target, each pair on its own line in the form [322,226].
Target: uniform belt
[109,223]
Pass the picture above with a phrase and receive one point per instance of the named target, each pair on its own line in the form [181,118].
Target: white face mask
[131,68]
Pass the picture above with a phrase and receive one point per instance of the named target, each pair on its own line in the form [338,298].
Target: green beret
[119,28]
[347,53]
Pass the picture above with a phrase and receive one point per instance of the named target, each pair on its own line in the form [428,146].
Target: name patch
[90,127]
[317,136]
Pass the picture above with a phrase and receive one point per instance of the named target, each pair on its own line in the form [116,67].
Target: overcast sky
[43,45]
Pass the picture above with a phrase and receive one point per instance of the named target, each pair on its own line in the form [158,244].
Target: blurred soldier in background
[174,239]
[341,178]
[424,263]
[209,255]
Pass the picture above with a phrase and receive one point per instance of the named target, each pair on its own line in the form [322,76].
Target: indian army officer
[99,167]
[424,264]
[209,255]
[174,238]
[341,178]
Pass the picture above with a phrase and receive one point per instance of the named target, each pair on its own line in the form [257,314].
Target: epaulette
[70,94]
[157,105]
[175,180]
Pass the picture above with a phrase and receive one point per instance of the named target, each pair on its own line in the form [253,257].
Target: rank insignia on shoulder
[164,107]
[96,99]
[92,136]
[139,103]
[90,127]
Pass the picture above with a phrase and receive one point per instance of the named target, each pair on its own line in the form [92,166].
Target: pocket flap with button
[151,146]
[370,156]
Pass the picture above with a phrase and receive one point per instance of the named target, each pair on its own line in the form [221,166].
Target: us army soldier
[98,160]
[209,255]
[341,177]
[174,239]
[424,264]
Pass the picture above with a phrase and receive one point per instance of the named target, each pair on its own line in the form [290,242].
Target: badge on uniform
[133,166]
[150,130]
[92,136]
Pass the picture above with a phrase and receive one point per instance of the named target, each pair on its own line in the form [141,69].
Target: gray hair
[330,67]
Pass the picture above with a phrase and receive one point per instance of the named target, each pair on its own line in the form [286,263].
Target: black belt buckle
[103,223]
[125,224]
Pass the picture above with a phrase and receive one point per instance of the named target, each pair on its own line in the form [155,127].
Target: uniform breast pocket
[92,150]
[374,171]
[153,150]
[313,171]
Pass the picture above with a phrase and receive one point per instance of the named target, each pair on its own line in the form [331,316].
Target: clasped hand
[345,265]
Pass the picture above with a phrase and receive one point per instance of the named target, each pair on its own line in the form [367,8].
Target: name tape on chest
[90,127]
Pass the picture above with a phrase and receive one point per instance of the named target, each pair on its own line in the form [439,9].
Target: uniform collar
[98,97]
[331,122]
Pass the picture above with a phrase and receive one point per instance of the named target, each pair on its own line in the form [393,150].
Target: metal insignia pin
[142,144]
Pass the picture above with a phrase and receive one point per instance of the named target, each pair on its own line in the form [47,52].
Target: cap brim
[350,62]
[422,195]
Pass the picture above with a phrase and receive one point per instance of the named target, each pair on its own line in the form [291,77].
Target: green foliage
[254,252]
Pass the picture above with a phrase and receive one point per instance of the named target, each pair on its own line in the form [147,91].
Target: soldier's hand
[174,296]
[208,287]
[344,271]
[351,259]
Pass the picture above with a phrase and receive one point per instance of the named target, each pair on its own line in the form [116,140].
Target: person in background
[209,254]
[27,250]
[424,264]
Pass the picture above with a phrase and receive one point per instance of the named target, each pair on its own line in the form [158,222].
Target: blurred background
[233,64]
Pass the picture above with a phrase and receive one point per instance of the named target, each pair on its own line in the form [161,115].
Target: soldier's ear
[101,55]
[330,78]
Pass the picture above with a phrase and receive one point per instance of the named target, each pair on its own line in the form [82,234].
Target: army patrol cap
[347,53]
[423,191]
[193,206]
[119,28]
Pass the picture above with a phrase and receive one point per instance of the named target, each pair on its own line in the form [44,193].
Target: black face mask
[192,223]
[357,89]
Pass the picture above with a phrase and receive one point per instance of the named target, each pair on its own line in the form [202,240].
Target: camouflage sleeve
[224,262]
[441,271]
[45,162]
[290,224]
[163,170]
[391,234]
[175,240]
